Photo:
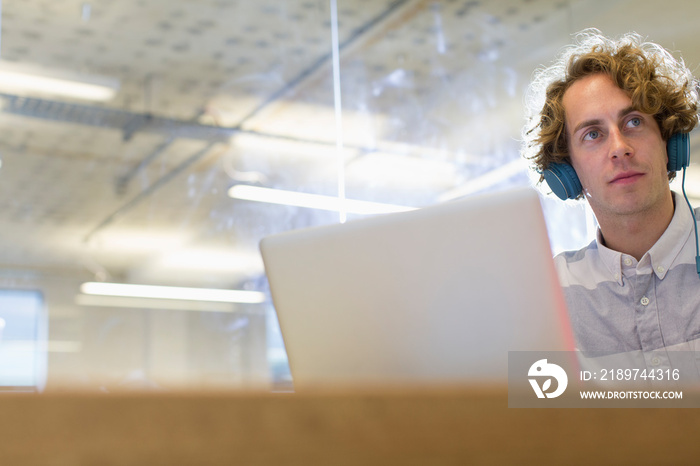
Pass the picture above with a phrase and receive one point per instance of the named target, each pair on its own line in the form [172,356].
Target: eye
[591,135]
[634,122]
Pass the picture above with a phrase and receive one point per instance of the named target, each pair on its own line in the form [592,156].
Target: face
[618,152]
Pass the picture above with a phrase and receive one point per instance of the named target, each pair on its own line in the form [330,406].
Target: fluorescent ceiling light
[22,78]
[312,201]
[172,292]
[64,346]
[152,303]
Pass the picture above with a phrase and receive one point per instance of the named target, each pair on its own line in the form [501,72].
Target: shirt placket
[647,318]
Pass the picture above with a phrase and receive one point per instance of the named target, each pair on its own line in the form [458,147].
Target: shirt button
[660,269]
[644,301]
[655,361]
[628,261]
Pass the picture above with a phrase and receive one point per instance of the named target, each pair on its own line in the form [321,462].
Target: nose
[619,145]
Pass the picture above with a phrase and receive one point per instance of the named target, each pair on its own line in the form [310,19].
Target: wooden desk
[450,427]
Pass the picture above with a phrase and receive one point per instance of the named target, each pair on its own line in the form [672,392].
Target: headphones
[563,181]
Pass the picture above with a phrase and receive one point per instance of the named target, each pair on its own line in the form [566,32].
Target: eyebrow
[620,114]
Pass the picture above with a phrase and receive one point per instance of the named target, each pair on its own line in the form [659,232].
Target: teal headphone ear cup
[563,181]
[678,149]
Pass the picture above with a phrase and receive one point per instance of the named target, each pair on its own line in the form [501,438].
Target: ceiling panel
[215,93]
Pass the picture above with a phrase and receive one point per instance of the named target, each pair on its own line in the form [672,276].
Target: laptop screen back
[437,295]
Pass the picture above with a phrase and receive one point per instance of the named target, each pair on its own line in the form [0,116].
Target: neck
[636,234]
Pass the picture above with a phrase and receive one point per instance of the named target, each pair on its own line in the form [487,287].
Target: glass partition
[137,179]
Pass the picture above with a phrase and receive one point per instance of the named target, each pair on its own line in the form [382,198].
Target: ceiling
[219,92]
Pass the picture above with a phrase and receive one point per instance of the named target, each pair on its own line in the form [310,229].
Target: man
[606,113]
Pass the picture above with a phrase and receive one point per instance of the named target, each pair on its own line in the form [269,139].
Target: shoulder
[579,267]
[567,258]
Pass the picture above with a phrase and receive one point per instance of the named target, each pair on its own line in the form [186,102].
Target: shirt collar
[663,253]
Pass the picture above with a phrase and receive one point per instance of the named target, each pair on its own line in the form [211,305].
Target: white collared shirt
[618,304]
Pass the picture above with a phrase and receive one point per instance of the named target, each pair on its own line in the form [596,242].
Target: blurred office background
[403,103]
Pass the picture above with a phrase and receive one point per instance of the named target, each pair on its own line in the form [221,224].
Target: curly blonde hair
[656,83]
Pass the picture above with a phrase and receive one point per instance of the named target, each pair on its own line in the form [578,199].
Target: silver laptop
[433,296]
